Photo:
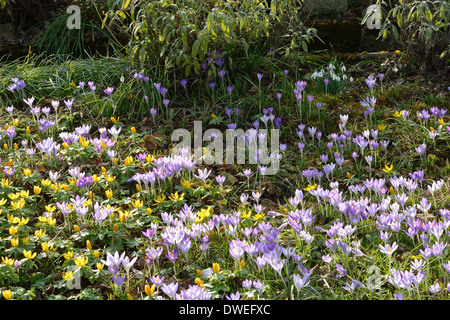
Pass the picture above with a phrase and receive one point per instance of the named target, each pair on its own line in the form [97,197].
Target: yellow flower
[28,254]
[441,121]
[88,245]
[124,215]
[259,215]
[24,194]
[242,264]
[213,116]
[28,130]
[26,172]
[133,130]
[199,282]
[391,190]
[14,196]
[115,227]
[138,187]
[39,233]
[68,255]
[381,127]
[109,193]
[5,146]
[137,203]
[15,242]
[216,267]
[37,189]
[23,221]
[5,183]
[96,254]
[2,202]
[81,261]
[199,272]
[348,175]
[25,240]
[67,275]
[99,265]
[114,120]
[176,197]
[65,145]
[7,294]
[387,168]
[149,211]
[12,230]
[45,247]
[15,122]
[149,158]
[311,187]
[185,183]
[160,199]
[84,143]
[7,261]
[246,214]
[72,84]
[77,228]
[128,161]
[114,161]
[18,204]
[149,290]
[46,182]
[96,178]
[398,51]
[110,178]
[51,221]
[398,114]
[50,208]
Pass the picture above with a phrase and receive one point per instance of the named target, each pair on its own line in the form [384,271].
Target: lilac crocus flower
[109,91]
[170,289]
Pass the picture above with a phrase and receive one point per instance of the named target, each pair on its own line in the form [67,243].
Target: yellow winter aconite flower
[160,199]
[25,240]
[7,261]
[398,51]
[149,290]
[28,130]
[128,161]
[18,204]
[397,114]
[387,168]
[149,211]
[216,267]
[15,242]
[46,247]
[68,255]
[176,197]
[15,122]
[28,254]
[109,193]
[7,294]
[96,178]
[381,127]
[114,120]
[51,221]
[77,228]
[39,233]
[348,175]
[110,178]
[441,121]
[149,158]
[185,183]
[12,230]
[99,265]
[311,187]
[259,216]
[213,116]
[37,189]
[26,172]
[96,254]
[137,203]
[2,202]
[242,264]
[14,196]
[124,215]
[133,130]
[138,187]
[23,221]
[88,245]
[199,272]
[199,282]
[81,261]
[46,182]
[24,194]
[5,183]
[67,275]
[50,208]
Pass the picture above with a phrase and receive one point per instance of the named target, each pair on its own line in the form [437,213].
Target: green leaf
[125,4]
[121,14]
[195,47]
